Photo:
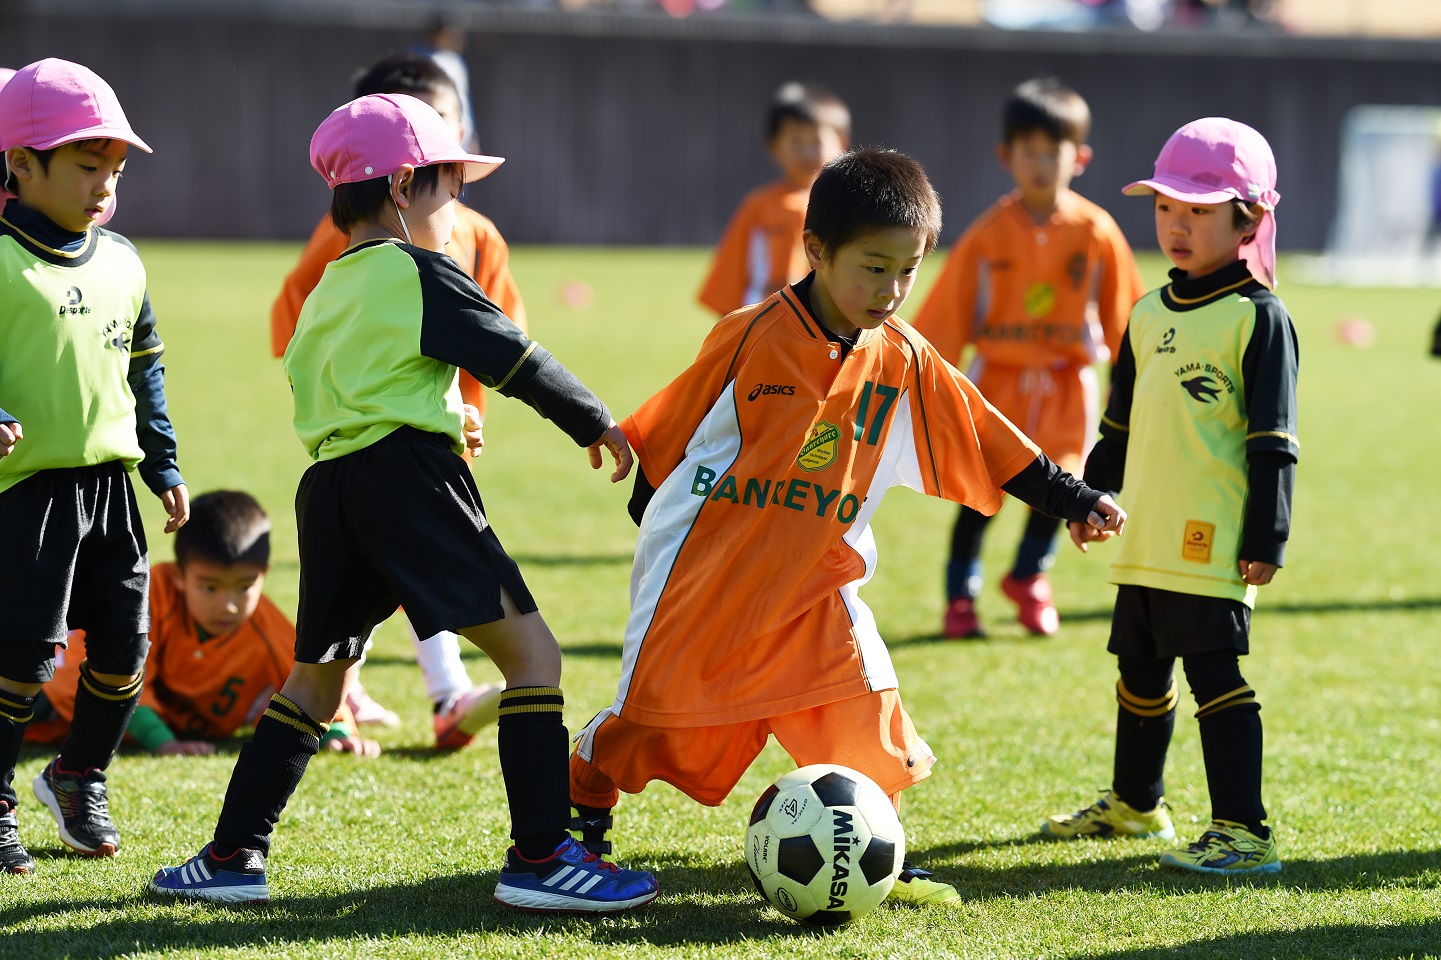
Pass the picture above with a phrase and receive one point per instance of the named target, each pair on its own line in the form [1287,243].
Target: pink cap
[54,102]
[373,136]
[5,74]
[1214,160]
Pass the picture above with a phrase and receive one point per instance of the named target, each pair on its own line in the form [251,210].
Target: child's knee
[1217,684]
[318,688]
[116,659]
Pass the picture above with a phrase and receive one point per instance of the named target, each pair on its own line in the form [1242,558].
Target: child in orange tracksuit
[807,126]
[218,646]
[461,708]
[1041,284]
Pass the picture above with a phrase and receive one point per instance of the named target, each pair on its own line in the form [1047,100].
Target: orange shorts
[1057,407]
[871,733]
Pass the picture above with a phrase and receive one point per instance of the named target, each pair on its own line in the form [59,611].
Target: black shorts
[73,557]
[399,523]
[1149,622]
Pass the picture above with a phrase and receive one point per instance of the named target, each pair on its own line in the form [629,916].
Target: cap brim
[124,134]
[477,167]
[1183,191]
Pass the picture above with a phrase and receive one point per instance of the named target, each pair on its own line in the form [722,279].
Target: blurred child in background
[460,708]
[1041,285]
[218,646]
[807,126]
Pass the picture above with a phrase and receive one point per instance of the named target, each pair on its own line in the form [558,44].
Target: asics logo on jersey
[771,389]
[1202,388]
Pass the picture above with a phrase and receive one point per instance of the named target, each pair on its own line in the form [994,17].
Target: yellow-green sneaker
[1111,816]
[1226,847]
[918,888]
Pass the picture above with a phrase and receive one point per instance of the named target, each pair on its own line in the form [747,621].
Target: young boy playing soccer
[1201,426]
[1041,285]
[84,403]
[389,513]
[761,466]
[807,126]
[218,646]
[461,708]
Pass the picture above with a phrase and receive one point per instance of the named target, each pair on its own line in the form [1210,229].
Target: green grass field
[397,857]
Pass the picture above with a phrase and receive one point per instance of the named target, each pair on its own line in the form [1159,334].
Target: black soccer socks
[535,761]
[15,712]
[267,772]
[102,713]
[1145,719]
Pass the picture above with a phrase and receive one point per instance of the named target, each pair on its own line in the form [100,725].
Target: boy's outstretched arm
[1048,489]
[462,327]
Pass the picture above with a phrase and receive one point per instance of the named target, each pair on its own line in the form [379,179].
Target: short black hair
[226,527]
[1047,105]
[364,201]
[871,189]
[410,73]
[43,157]
[807,103]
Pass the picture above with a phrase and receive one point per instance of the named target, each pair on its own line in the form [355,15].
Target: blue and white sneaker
[571,880]
[238,878]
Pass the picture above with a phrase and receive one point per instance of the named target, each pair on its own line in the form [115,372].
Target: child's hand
[10,434]
[185,748]
[1254,571]
[1107,518]
[358,746]
[613,440]
[177,504]
[1084,533]
[471,429]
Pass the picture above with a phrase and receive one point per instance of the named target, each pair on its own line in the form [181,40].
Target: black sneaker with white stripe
[81,807]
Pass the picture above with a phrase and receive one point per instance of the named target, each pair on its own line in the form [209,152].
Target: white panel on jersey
[667,522]
[898,466]
[758,267]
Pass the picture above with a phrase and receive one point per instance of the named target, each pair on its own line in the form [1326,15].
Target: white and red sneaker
[460,718]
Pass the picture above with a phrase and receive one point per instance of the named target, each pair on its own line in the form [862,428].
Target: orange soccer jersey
[202,689]
[769,455]
[1041,303]
[476,245]
[760,251]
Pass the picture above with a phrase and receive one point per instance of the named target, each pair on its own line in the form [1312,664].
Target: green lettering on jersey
[701,485]
[761,492]
[823,500]
[796,494]
[726,490]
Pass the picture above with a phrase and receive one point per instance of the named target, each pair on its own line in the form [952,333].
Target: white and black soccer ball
[824,844]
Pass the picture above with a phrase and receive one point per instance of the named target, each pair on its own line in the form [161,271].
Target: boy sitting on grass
[218,646]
